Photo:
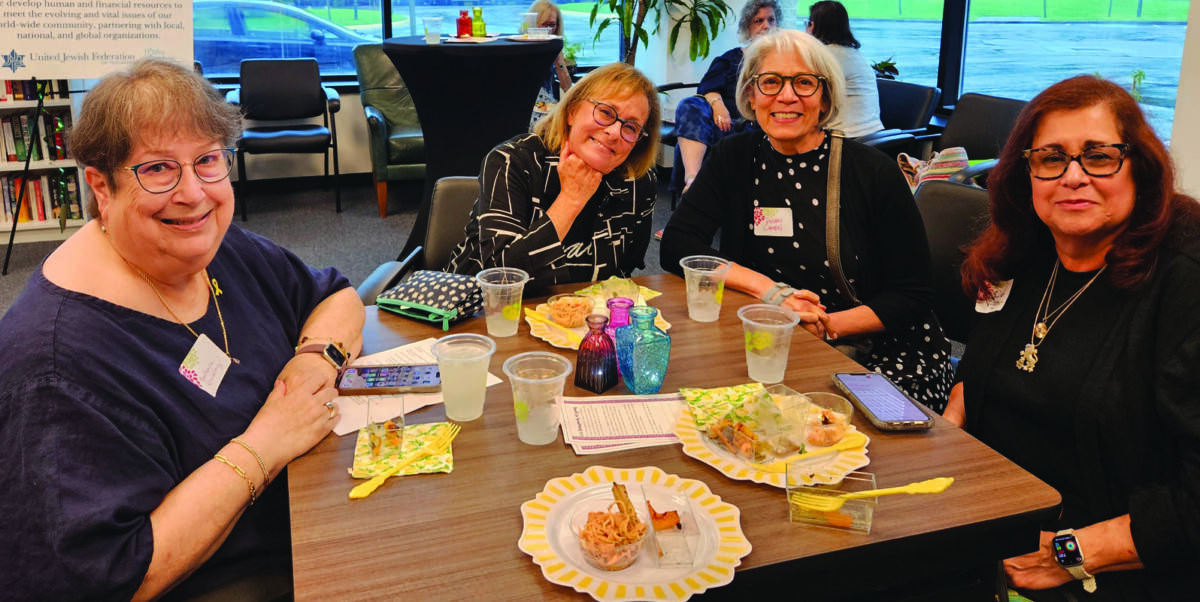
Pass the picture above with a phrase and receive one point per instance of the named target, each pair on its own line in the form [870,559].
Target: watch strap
[1077,571]
[321,348]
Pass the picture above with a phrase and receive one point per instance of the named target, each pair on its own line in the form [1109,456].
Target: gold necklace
[1045,319]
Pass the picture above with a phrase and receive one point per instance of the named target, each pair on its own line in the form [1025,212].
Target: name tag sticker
[996,302]
[205,365]
[773,221]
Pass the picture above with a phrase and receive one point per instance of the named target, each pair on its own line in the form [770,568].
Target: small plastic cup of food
[569,310]
[828,419]
[539,33]
[810,504]
[612,544]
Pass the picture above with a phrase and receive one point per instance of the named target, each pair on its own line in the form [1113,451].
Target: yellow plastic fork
[816,502]
[437,446]
[853,440]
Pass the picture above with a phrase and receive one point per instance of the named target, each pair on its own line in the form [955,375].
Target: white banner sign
[80,39]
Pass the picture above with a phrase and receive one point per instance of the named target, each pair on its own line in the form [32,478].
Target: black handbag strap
[833,249]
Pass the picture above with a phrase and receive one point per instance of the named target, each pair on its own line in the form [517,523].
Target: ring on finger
[329,404]
[332,413]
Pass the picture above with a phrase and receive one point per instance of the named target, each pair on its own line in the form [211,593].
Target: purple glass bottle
[618,314]
[596,366]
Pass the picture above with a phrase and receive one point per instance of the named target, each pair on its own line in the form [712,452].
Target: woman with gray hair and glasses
[703,119]
[769,193]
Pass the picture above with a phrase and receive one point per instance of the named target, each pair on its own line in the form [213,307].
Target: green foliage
[570,51]
[1135,87]
[886,68]
[704,20]
[630,16]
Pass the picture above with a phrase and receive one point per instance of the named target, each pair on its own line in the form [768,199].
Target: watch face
[335,354]
[1066,550]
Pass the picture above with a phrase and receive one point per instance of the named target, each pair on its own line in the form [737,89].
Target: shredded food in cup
[612,540]
[569,310]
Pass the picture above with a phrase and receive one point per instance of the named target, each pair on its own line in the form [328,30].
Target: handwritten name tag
[772,221]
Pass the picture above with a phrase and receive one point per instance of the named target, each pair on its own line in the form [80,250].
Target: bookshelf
[55,182]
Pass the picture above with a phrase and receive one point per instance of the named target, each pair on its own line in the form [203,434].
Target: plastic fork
[440,444]
[816,502]
[852,440]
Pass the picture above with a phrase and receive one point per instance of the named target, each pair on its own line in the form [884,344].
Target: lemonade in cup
[768,336]
[463,362]
[705,279]
[502,288]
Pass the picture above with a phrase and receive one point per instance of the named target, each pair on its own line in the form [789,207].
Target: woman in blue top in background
[138,451]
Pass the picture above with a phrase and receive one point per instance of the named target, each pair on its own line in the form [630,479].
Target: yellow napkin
[416,436]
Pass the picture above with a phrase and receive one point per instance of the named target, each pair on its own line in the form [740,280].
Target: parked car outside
[227,31]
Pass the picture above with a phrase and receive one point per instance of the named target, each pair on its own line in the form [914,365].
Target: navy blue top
[722,76]
[97,425]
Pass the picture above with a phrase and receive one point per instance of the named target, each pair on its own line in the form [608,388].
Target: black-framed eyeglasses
[803,84]
[1097,161]
[605,115]
[163,175]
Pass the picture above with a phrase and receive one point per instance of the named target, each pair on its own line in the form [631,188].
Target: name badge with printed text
[205,365]
[996,302]
[773,221]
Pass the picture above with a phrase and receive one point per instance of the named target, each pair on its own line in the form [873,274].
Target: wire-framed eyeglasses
[163,175]
[803,84]
[606,115]
[1097,161]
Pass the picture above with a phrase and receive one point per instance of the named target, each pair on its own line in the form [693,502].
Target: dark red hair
[1016,232]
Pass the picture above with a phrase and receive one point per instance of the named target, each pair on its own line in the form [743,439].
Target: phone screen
[369,377]
[885,400]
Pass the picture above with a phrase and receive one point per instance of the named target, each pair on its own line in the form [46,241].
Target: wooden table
[454,536]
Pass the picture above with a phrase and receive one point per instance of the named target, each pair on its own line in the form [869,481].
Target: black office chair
[286,90]
[981,125]
[905,110]
[449,212]
[954,215]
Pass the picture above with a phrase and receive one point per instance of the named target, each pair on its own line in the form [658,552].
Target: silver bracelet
[777,294]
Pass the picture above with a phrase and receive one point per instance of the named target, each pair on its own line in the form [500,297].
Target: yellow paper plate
[547,537]
[569,338]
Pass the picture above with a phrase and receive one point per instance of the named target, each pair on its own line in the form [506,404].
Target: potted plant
[704,19]
[885,69]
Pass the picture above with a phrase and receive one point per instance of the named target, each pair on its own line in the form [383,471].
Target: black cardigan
[879,220]
[1137,419]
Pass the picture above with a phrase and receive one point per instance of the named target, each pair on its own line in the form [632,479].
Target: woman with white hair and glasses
[770,193]
[573,201]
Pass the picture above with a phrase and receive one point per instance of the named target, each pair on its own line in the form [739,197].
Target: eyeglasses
[163,175]
[605,115]
[803,84]
[1097,161]
[806,23]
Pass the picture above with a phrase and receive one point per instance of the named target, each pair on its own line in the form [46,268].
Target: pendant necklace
[1045,319]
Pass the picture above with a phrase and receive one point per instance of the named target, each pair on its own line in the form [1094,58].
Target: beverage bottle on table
[478,27]
[618,314]
[643,351]
[596,365]
[464,25]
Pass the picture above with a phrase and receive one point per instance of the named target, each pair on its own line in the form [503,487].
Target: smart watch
[1070,557]
[332,352]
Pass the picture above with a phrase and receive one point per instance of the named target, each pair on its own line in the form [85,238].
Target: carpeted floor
[301,217]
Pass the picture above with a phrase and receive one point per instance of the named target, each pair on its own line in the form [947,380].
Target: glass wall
[1018,48]
[906,32]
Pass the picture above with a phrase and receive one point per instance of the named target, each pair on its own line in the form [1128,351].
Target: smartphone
[382,380]
[883,403]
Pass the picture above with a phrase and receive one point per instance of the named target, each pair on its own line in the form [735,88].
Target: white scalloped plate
[547,536]
[827,470]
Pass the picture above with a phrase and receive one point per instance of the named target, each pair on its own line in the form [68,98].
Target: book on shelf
[48,197]
[17,136]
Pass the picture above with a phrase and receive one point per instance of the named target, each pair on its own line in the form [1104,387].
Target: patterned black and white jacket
[509,227]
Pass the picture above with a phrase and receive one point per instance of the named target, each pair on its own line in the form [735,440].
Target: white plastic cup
[528,20]
[463,361]
[537,380]
[704,276]
[768,335]
[433,30]
[502,289]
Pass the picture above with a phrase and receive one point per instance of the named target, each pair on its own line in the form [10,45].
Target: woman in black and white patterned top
[573,201]
[766,191]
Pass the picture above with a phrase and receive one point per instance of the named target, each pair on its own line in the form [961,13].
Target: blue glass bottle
[643,351]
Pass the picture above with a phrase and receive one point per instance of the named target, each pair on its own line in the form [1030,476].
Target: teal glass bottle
[643,351]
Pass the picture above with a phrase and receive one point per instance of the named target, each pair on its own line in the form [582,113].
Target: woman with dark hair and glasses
[1083,365]
[703,119]
[859,116]
[162,368]
[768,192]
[571,202]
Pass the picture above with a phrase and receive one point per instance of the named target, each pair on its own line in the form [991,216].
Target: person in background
[1082,366]
[829,22]
[573,201]
[703,119]
[559,79]
[162,367]
[766,191]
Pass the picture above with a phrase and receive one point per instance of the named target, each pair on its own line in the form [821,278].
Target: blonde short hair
[810,51]
[614,80]
[543,8]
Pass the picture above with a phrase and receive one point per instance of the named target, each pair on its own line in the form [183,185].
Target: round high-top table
[469,98]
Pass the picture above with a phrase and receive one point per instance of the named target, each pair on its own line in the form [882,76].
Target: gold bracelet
[261,464]
[240,473]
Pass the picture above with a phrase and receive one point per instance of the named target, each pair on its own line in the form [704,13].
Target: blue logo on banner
[13,61]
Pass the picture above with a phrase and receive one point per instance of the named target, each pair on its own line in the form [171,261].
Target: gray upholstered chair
[954,214]
[449,212]
[396,143]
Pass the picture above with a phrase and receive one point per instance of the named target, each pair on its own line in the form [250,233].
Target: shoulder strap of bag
[832,218]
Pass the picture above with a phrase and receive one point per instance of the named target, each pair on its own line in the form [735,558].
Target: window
[1137,45]
[907,32]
